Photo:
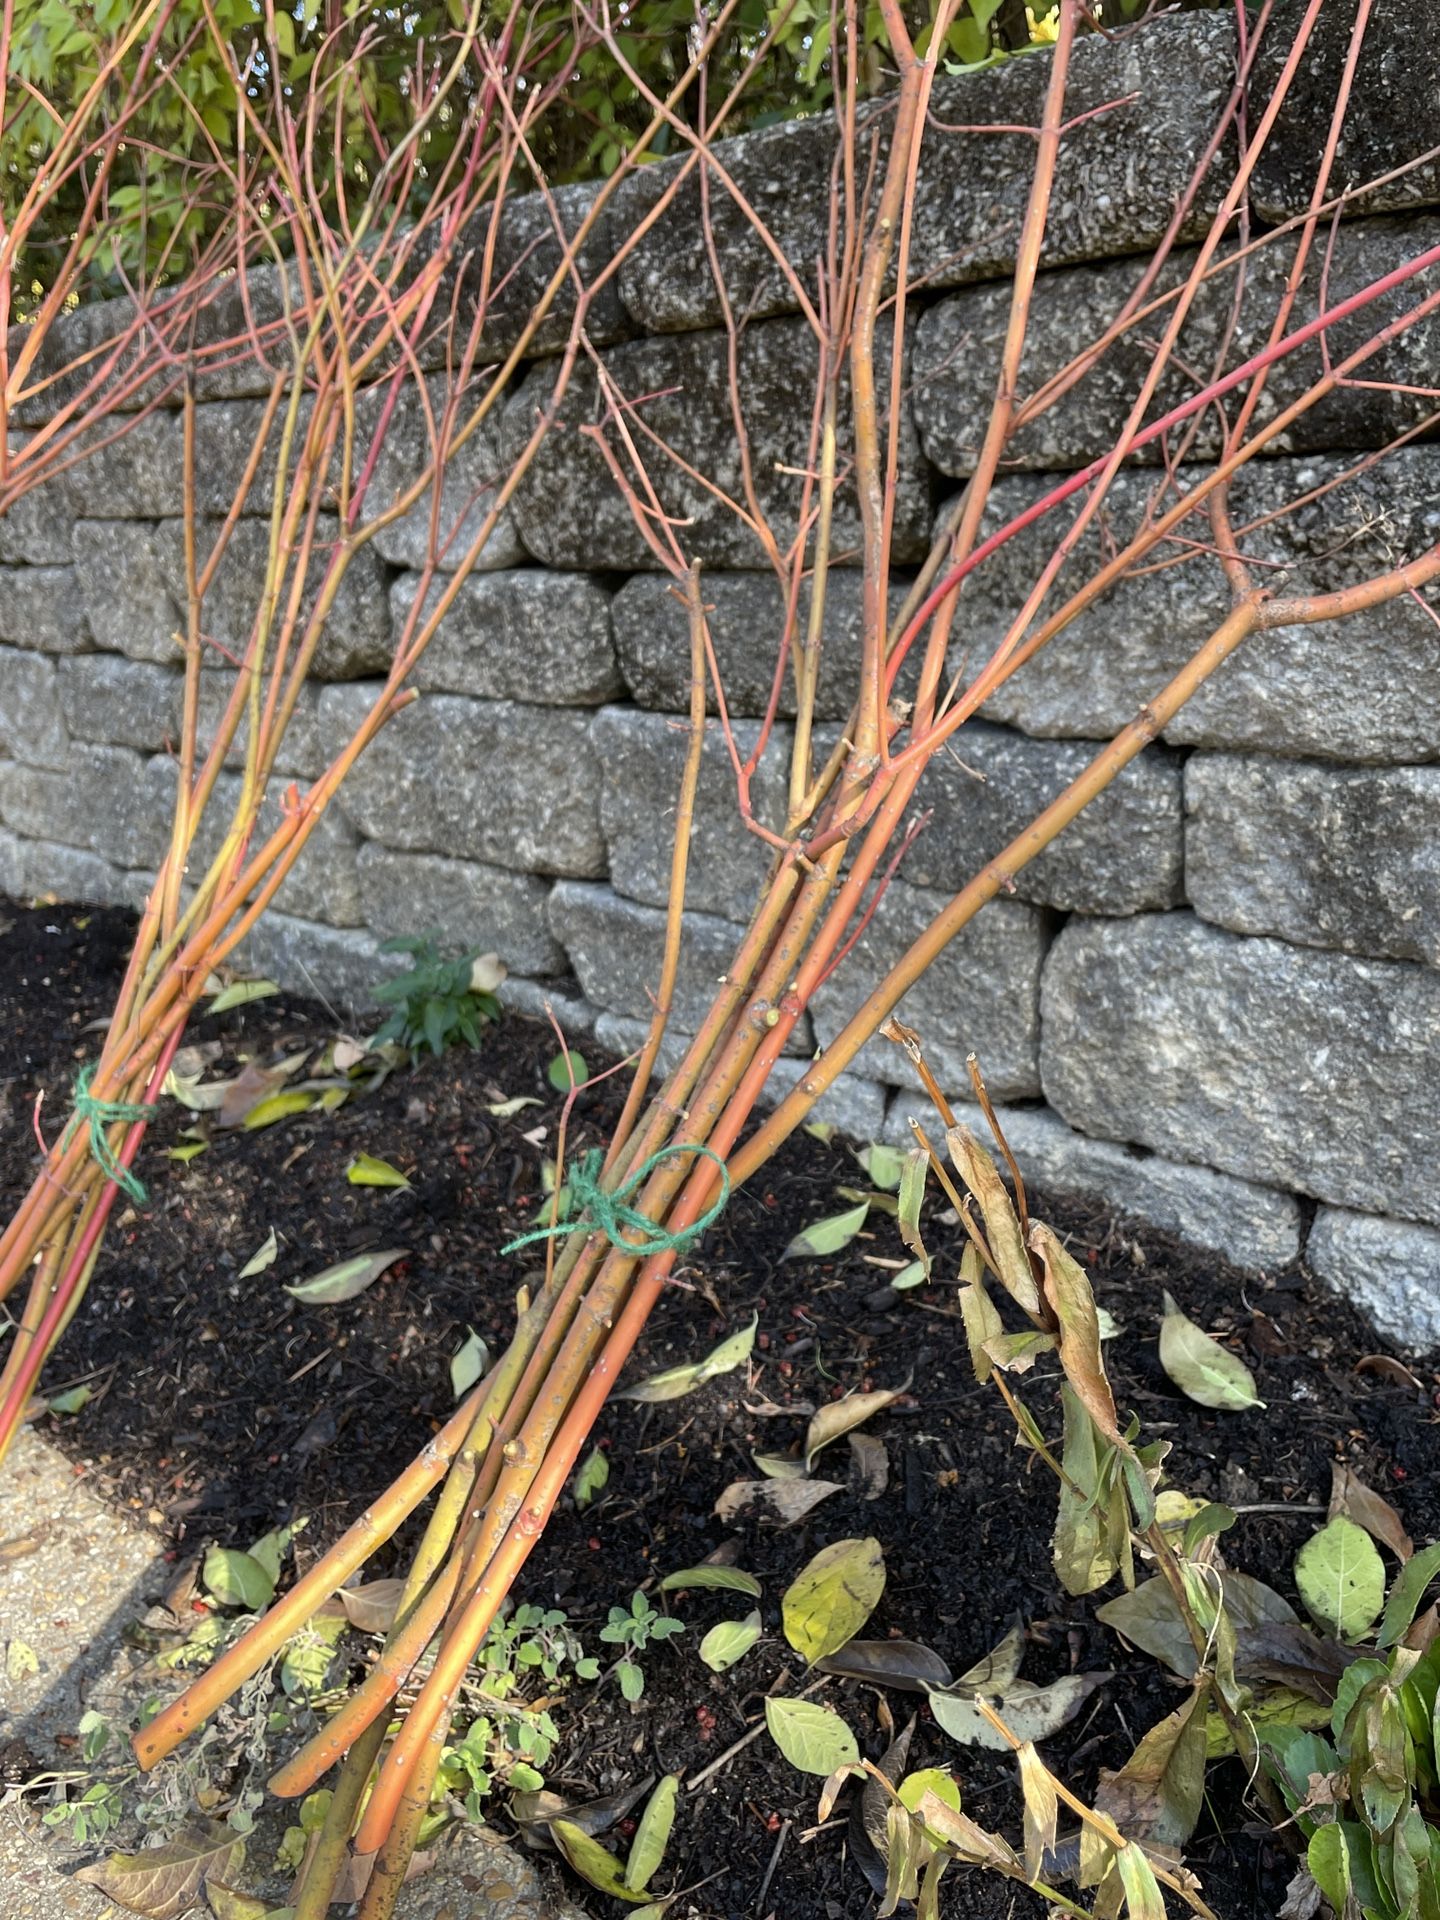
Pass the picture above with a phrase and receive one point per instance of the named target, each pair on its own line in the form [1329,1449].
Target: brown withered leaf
[869,1825]
[1149,1618]
[1303,1898]
[1293,1656]
[251,1085]
[1158,1793]
[1002,1229]
[165,1882]
[1423,1631]
[372,1607]
[784,1501]
[1389,1368]
[998,1669]
[1372,1511]
[839,1417]
[535,1811]
[869,1466]
[1067,1291]
[905,1665]
[233,1903]
[356,1869]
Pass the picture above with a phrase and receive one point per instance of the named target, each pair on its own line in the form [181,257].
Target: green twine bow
[612,1216]
[97,1116]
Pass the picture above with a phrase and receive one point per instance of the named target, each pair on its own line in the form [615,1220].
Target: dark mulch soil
[223,1407]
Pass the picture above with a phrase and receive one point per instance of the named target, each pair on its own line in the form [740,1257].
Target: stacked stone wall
[1214,1003]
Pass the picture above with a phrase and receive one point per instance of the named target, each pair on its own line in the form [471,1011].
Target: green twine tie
[97,1116]
[609,1213]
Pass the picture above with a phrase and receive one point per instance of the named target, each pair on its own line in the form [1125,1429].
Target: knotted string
[609,1213]
[98,1115]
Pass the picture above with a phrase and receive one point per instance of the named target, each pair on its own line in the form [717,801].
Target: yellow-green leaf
[1204,1371]
[652,1835]
[1042,1807]
[278,1106]
[718,1579]
[347,1279]
[675,1382]
[264,1256]
[236,1580]
[190,1151]
[1341,1578]
[810,1736]
[594,1863]
[983,1324]
[1157,1795]
[229,1903]
[833,1597]
[912,1198]
[468,1363]
[884,1165]
[730,1641]
[828,1236]
[240,993]
[593,1476]
[366,1170]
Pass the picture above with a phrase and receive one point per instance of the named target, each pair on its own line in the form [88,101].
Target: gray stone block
[855,1106]
[1387,124]
[615,949]
[547,999]
[525,256]
[31,726]
[1123,854]
[35,527]
[1323,856]
[1388,1268]
[102,803]
[141,475]
[472,906]
[747,624]
[66,365]
[1381,696]
[357,639]
[123,805]
[524,634]
[1250,1225]
[957,353]
[133,577]
[642,758]
[1303,1070]
[467,489]
[572,514]
[306,748]
[485,780]
[323,884]
[123,703]
[42,608]
[981,995]
[10,867]
[1117,181]
[340,966]
[35,804]
[44,867]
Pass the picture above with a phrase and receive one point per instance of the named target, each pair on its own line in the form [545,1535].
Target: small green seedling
[439,1001]
[633,1628]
